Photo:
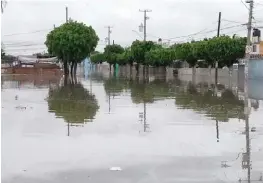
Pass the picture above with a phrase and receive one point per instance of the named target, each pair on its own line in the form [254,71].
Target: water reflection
[72,102]
[216,102]
[219,106]
[165,109]
[29,81]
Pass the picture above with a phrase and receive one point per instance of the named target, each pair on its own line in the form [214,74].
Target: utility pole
[54,26]
[246,101]
[66,14]
[219,24]
[64,67]
[109,32]
[218,34]
[144,20]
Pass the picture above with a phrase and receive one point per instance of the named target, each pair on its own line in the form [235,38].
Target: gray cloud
[168,19]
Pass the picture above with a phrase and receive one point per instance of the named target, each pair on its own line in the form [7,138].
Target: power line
[24,45]
[232,21]
[25,49]
[200,32]
[201,38]
[244,4]
[27,32]
[239,30]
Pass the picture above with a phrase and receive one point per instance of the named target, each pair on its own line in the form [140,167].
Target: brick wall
[28,70]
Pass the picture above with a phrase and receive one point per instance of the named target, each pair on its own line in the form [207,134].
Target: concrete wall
[255,69]
[230,79]
[207,72]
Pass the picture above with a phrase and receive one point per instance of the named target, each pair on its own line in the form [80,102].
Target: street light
[141,28]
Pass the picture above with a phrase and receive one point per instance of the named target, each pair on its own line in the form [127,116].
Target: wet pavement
[155,130]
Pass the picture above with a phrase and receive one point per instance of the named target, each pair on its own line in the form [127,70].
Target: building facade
[255,66]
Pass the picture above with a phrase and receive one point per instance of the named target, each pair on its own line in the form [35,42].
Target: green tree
[97,58]
[121,60]
[200,52]
[139,50]
[185,52]
[73,103]
[238,47]
[226,50]
[111,53]
[160,57]
[72,42]
[94,52]
[9,59]
[128,56]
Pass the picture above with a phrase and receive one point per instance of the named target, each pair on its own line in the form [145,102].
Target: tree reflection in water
[220,108]
[73,103]
[200,98]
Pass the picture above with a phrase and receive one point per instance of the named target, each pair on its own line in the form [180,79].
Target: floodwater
[125,129]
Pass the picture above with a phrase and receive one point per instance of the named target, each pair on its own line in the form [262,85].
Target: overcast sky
[168,19]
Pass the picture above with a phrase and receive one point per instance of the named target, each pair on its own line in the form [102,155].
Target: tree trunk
[75,68]
[137,67]
[143,71]
[216,72]
[209,68]
[75,79]
[110,68]
[194,74]
[164,70]
[71,69]
[131,70]
[65,79]
[65,68]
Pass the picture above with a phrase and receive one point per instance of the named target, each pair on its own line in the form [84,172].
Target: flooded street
[120,129]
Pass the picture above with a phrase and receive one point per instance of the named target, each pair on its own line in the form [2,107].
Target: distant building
[255,66]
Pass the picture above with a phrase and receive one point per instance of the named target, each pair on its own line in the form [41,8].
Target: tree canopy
[72,42]
[160,57]
[226,50]
[97,58]
[111,53]
[139,49]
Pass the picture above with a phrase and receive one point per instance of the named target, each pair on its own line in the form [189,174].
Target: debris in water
[253,129]
[20,107]
[115,168]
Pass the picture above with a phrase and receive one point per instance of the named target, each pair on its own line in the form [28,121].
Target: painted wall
[255,69]
[88,67]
